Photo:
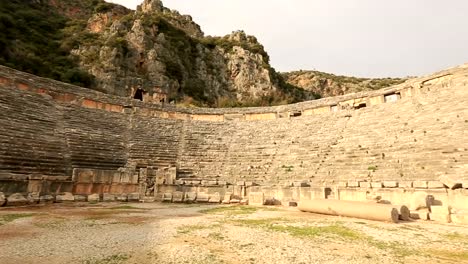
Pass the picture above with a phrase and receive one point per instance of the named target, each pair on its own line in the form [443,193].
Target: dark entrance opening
[362,105]
[139,94]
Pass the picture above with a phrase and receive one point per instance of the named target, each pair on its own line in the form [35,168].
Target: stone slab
[121,197]
[353,184]
[133,197]
[256,198]
[177,197]
[107,197]
[16,199]
[215,198]
[435,185]
[442,218]
[2,199]
[420,214]
[167,197]
[203,197]
[64,197]
[80,198]
[46,199]
[405,184]
[420,184]
[364,184]
[190,197]
[33,198]
[93,198]
[376,184]
[460,219]
[390,184]
[452,182]
[440,209]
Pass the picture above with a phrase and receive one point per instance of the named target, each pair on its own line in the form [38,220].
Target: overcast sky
[367,38]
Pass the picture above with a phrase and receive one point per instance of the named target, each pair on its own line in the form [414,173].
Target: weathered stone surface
[80,198]
[107,197]
[190,197]
[376,184]
[2,199]
[227,198]
[440,209]
[459,218]
[443,218]
[45,199]
[64,197]
[435,185]
[244,202]
[177,197]
[16,199]
[420,184]
[215,198]
[121,197]
[390,184]
[93,198]
[422,214]
[418,201]
[202,197]
[405,184]
[33,198]
[256,198]
[235,201]
[240,183]
[353,184]
[133,197]
[452,182]
[364,184]
[167,197]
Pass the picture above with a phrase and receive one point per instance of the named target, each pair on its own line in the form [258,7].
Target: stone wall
[53,133]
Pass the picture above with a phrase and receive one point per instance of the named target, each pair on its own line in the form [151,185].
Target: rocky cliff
[153,49]
[325,84]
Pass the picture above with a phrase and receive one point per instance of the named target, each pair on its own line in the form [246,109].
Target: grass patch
[457,237]
[230,210]
[278,225]
[113,259]
[125,207]
[216,236]
[449,255]
[186,229]
[397,249]
[4,219]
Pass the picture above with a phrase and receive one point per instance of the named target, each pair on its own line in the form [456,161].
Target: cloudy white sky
[373,38]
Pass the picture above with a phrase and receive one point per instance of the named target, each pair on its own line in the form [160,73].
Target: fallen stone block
[46,199]
[121,197]
[272,201]
[133,197]
[420,184]
[292,204]
[107,197]
[167,197]
[16,199]
[202,197]
[452,182]
[215,198]
[390,184]
[2,199]
[256,198]
[80,198]
[460,219]
[177,197]
[33,198]
[235,201]
[64,197]
[435,185]
[420,214]
[227,198]
[190,197]
[93,198]
[244,202]
[442,218]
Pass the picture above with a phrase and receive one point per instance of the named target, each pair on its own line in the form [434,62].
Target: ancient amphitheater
[69,143]
[66,150]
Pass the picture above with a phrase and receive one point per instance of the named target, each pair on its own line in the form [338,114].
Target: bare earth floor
[171,233]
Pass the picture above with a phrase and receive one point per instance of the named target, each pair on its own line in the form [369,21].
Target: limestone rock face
[159,50]
[327,85]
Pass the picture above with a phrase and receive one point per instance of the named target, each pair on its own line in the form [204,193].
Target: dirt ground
[177,233]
